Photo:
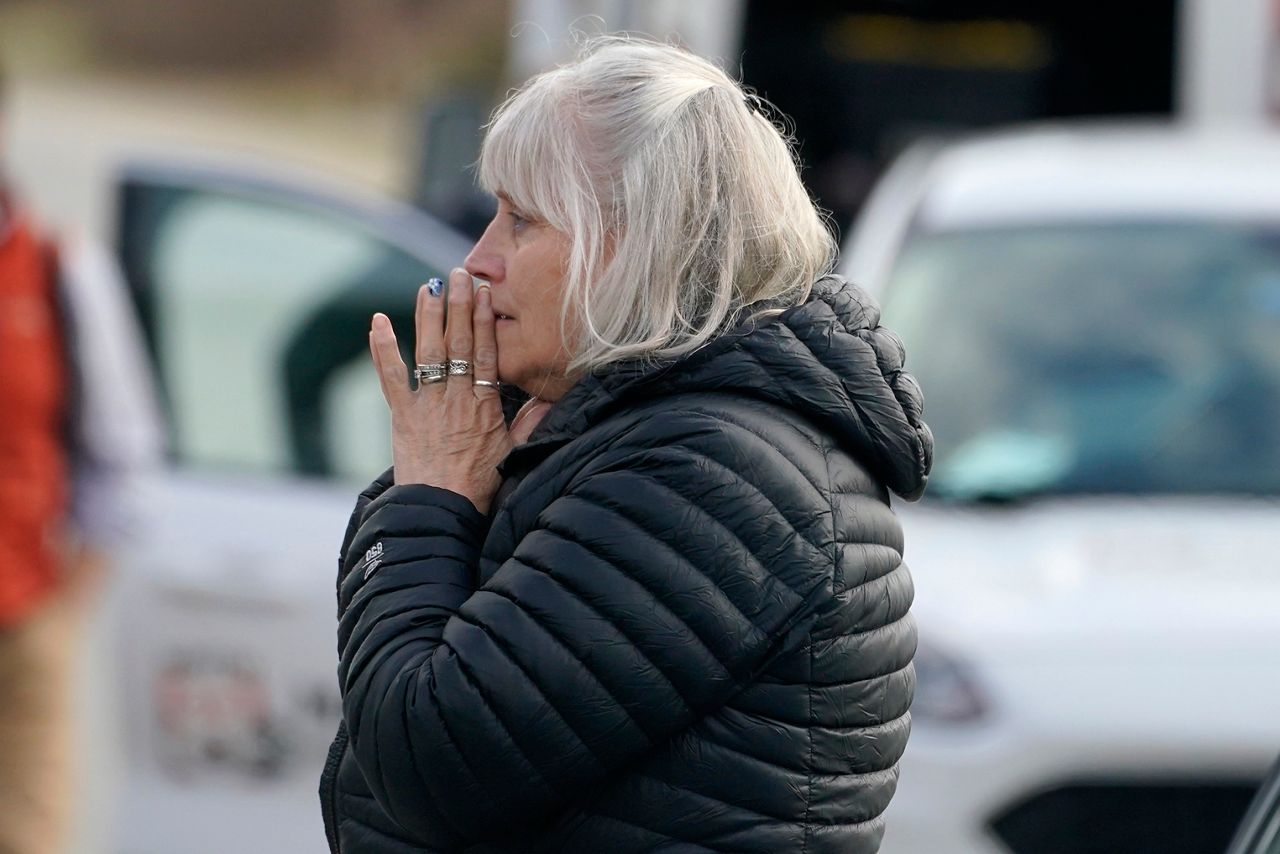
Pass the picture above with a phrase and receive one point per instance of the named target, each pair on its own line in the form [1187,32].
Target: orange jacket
[33,390]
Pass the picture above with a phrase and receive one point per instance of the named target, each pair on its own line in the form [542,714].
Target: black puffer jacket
[685,628]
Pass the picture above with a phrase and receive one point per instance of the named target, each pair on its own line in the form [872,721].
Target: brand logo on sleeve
[372,559]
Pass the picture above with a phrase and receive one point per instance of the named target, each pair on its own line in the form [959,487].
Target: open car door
[255,296]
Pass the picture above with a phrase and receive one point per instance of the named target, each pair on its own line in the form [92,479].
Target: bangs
[528,156]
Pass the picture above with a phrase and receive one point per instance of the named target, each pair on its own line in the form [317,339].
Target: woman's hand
[449,433]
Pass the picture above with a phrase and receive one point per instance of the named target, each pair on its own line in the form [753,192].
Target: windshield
[1117,358]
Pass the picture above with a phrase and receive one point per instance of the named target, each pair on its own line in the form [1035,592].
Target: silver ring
[432,372]
[485,383]
[459,367]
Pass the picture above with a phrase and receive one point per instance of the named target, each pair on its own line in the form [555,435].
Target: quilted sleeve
[380,485]
[651,589]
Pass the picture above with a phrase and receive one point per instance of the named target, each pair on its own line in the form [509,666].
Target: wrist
[480,496]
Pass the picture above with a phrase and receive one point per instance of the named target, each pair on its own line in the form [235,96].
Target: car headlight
[947,691]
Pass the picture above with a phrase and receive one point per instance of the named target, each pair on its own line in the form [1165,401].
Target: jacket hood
[828,359]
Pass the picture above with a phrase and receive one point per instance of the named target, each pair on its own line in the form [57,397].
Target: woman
[672,616]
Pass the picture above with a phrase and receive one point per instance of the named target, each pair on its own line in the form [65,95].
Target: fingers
[429,317]
[485,359]
[386,359]
[439,338]
[458,332]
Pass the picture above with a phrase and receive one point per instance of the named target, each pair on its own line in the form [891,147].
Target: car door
[255,296]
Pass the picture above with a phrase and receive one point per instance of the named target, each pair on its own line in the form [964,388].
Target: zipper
[329,787]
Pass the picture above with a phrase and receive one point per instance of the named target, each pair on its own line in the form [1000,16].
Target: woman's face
[524,261]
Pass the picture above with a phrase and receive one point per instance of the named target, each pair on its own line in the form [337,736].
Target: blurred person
[666,609]
[78,427]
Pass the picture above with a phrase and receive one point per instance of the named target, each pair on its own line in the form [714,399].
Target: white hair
[682,203]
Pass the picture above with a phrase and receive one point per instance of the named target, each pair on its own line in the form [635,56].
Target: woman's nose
[483,261]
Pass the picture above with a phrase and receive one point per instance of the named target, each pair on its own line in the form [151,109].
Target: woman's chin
[512,375]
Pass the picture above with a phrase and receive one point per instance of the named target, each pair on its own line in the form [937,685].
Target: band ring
[459,367]
[485,383]
[432,372]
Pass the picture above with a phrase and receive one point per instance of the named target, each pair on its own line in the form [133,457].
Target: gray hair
[682,202]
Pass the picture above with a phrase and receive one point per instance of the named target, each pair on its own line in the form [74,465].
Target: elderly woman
[672,616]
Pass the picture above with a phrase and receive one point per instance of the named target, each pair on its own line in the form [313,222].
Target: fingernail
[482,296]
[379,320]
[435,286]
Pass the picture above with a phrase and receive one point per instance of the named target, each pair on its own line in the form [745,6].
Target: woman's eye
[517,221]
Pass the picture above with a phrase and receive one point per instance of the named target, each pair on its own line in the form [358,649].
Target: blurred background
[1071,213]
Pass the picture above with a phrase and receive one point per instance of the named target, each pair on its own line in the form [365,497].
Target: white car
[1093,313]
[255,294]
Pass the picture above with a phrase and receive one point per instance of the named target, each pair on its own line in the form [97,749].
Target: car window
[1098,358]
[259,312]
